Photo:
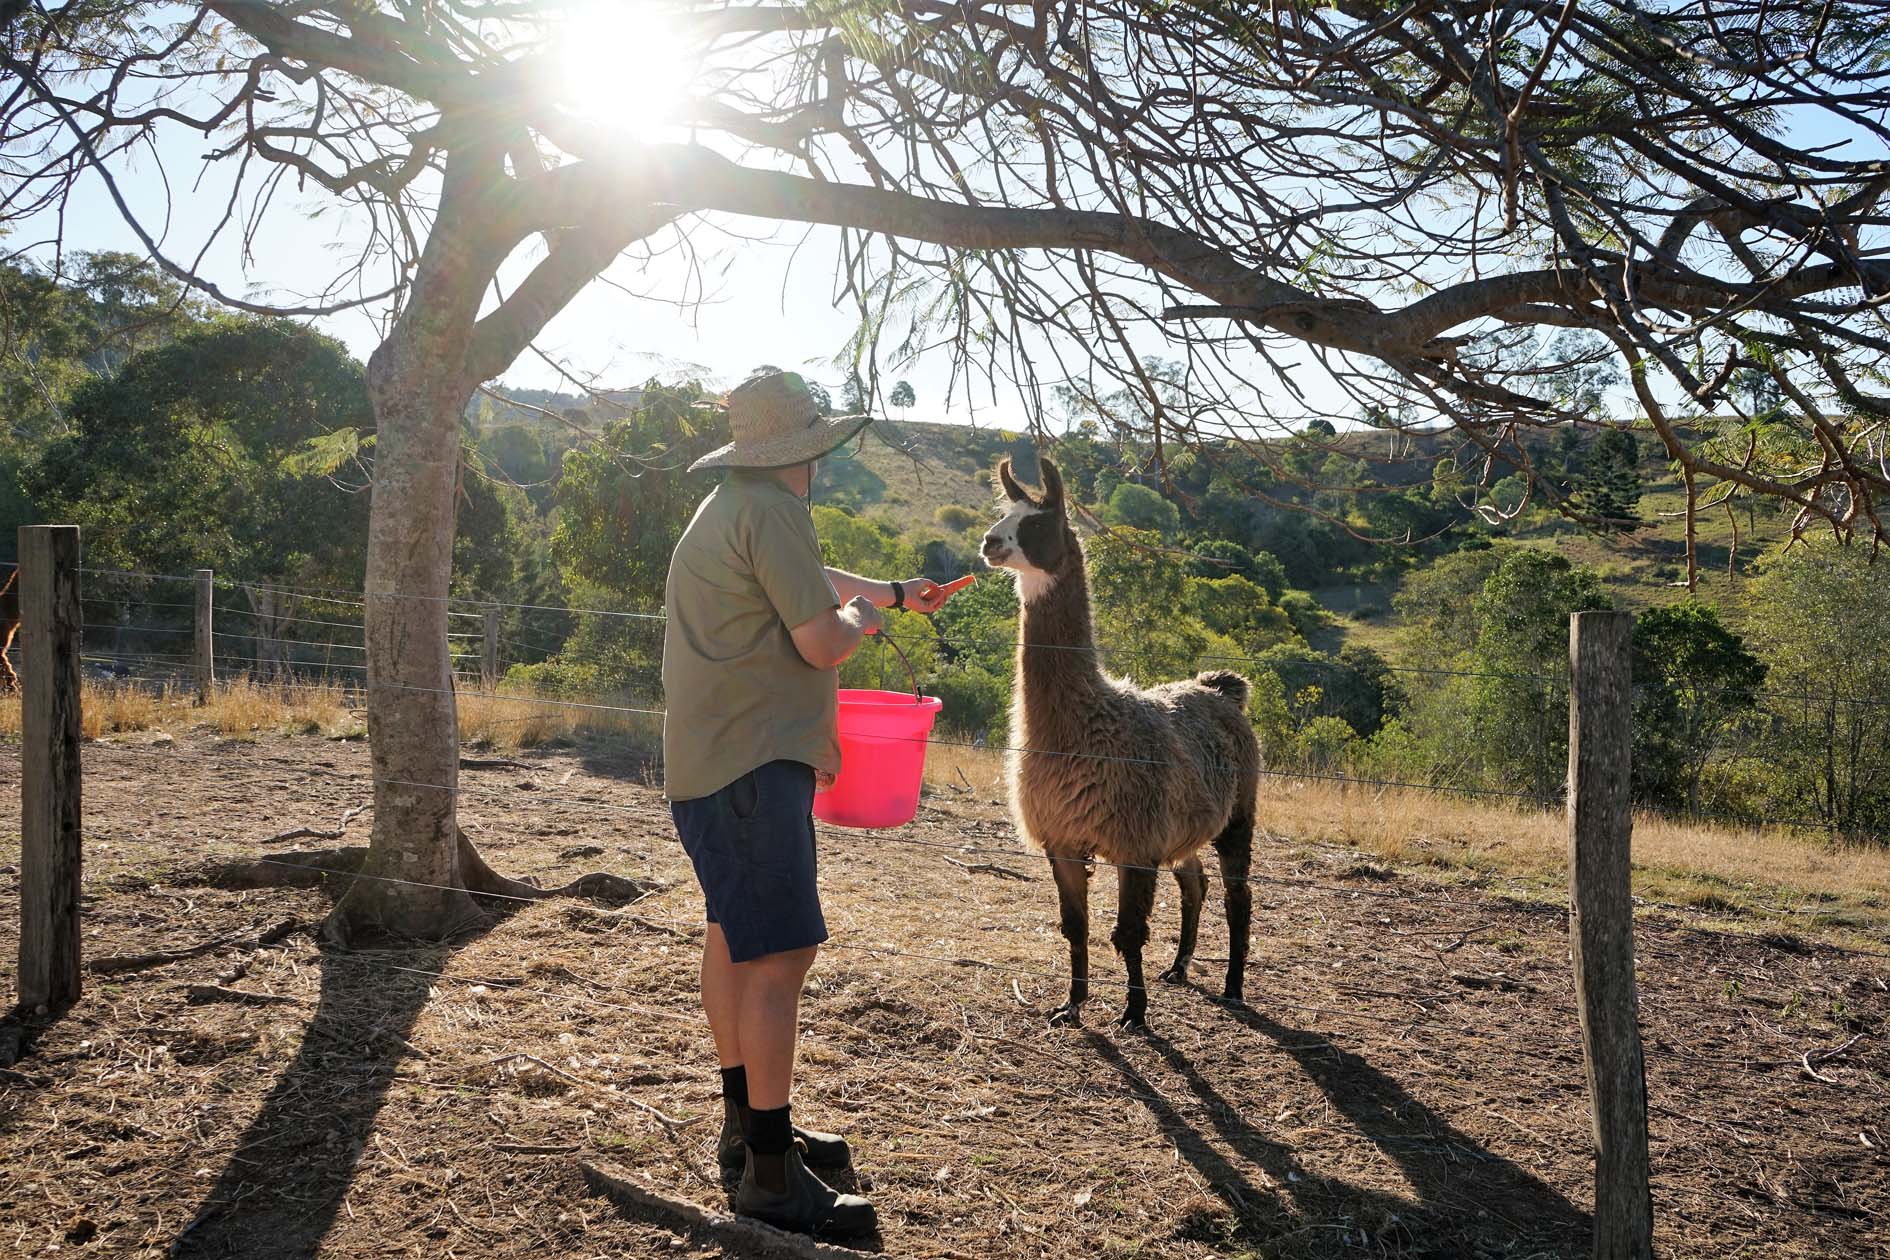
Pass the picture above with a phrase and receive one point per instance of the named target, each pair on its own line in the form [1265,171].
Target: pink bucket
[882,759]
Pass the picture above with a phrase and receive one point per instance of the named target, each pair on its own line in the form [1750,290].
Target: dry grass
[1767,874]
[1773,873]
[243,708]
[515,720]
[236,709]
[1407,1081]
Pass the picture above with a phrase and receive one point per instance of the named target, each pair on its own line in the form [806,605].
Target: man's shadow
[1468,1199]
[286,1177]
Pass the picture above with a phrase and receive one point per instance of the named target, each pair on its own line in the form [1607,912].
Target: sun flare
[621,65]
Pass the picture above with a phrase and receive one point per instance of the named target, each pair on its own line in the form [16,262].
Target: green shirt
[746,571]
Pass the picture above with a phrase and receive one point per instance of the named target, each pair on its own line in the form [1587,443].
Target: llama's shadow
[286,1177]
[1469,1200]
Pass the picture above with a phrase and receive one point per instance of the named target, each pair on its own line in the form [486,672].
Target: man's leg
[722,997]
[769,1031]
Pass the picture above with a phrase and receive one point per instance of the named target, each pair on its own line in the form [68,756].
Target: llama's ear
[1011,487]
[1052,482]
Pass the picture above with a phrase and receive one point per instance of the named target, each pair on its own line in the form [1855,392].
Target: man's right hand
[865,614]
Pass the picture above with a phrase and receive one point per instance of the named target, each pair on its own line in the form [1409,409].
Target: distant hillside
[940,465]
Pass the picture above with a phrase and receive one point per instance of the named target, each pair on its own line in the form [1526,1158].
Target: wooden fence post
[50,622]
[206,638]
[489,655]
[1601,926]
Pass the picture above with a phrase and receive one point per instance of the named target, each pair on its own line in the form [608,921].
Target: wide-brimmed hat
[777,424]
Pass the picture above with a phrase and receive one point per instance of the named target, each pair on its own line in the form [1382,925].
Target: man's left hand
[923,595]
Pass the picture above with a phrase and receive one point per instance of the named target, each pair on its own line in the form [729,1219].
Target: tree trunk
[271,610]
[411,884]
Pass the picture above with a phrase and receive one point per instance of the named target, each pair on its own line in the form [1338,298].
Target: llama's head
[1033,538]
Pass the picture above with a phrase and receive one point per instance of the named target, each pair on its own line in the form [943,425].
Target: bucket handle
[918,694]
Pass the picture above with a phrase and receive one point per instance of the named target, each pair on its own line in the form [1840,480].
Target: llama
[1107,771]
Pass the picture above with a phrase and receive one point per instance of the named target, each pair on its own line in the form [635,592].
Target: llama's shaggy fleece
[1105,770]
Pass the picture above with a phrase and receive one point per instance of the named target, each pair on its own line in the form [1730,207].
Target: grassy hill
[910,471]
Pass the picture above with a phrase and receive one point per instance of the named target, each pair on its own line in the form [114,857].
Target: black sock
[770,1132]
[735,1085]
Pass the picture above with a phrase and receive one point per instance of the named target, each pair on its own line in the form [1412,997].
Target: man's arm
[922,594]
[828,638]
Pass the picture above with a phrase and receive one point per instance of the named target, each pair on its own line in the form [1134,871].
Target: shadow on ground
[287,1175]
[1466,1200]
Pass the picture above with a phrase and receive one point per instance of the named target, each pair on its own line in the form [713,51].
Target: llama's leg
[1193,881]
[1072,879]
[12,679]
[1235,849]
[1135,902]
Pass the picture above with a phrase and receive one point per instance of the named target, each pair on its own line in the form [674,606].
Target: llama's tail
[1228,683]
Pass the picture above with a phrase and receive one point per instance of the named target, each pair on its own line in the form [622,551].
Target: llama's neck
[1056,651]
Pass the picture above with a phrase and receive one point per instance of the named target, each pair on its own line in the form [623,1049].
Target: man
[756,628]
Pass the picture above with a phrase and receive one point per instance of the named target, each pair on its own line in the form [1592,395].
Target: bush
[1139,507]
[955,518]
[976,702]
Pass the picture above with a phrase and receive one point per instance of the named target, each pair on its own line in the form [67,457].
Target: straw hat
[777,424]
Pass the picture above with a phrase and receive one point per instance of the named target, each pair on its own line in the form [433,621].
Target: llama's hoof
[1069,1015]
[1233,998]
[1133,1020]
[1177,973]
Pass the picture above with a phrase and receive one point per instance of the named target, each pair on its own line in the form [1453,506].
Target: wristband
[899,595]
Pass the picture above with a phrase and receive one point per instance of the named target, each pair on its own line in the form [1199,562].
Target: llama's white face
[1031,538]
[1004,546]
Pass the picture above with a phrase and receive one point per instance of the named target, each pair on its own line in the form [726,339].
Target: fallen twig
[113,964]
[671,1125]
[732,1232]
[317,833]
[990,868]
[495,763]
[217,993]
[1810,1057]
[1499,981]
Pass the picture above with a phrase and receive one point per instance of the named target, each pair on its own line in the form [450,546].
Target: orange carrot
[953,587]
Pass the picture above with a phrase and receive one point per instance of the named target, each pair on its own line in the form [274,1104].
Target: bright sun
[621,66]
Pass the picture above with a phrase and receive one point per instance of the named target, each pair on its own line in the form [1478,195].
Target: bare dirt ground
[1406,1081]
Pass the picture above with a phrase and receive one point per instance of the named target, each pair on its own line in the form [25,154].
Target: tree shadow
[286,1177]
[1256,1211]
[1470,1201]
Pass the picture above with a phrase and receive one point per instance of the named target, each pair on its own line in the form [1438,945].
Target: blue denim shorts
[752,844]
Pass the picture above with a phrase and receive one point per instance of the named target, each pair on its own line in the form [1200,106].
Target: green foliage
[1610,486]
[1139,593]
[955,518]
[1222,557]
[1821,621]
[842,480]
[1237,609]
[901,396]
[864,546]
[186,458]
[1354,686]
[1143,508]
[1693,678]
[1304,613]
[621,506]
[1501,617]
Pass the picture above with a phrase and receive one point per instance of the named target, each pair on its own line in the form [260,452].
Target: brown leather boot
[779,1190]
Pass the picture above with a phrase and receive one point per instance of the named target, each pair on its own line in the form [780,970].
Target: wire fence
[1412,1008]
[269,652]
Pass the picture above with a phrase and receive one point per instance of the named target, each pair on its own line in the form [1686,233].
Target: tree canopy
[1492,218]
